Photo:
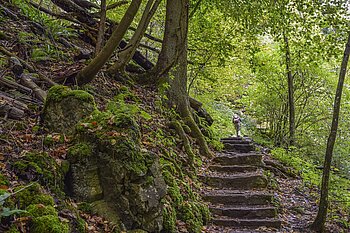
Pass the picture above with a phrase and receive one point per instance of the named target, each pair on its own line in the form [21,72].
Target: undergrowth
[311,175]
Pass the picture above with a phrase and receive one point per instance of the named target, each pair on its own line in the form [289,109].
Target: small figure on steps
[236,120]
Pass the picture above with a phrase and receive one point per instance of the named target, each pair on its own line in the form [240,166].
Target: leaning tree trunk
[174,56]
[88,73]
[318,224]
[125,55]
[290,93]
[101,27]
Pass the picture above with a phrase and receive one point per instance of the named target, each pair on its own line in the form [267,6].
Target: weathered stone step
[233,168]
[239,159]
[237,198]
[237,138]
[236,141]
[242,148]
[245,212]
[251,223]
[239,181]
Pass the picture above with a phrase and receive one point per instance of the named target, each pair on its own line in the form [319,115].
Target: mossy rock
[64,108]
[109,168]
[32,195]
[48,223]
[40,166]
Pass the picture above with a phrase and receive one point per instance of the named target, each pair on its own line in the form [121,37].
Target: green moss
[115,131]
[38,210]
[85,207]
[124,94]
[169,219]
[79,151]
[36,128]
[192,216]
[3,180]
[48,140]
[48,223]
[32,195]
[58,92]
[40,166]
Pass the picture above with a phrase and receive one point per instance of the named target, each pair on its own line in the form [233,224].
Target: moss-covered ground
[34,161]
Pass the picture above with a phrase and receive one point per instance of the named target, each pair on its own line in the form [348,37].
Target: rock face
[64,108]
[109,169]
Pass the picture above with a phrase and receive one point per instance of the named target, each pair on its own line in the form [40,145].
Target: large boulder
[64,108]
[111,170]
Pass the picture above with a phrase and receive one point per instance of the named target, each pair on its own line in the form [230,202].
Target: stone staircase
[236,188]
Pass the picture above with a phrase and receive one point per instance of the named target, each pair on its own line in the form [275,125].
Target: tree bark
[101,27]
[318,224]
[88,73]
[290,80]
[125,55]
[173,57]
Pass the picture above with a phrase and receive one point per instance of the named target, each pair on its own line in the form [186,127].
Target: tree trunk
[89,72]
[290,93]
[173,57]
[101,27]
[318,224]
[125,55]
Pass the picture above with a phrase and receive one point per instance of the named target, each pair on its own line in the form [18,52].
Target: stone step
[227,197]
[241,181]
[242,148]
[233,168]
[251,223]
[236,141]
[245,212]
[237,138]
[239,159]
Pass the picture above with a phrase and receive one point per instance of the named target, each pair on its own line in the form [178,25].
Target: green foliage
[53,27]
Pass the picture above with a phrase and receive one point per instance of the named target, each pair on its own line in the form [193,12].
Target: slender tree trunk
[88,73]
[173,58]
[126,54]
[318,224]
[101,28]
[290,93]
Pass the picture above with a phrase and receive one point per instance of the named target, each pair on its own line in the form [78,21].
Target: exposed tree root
[197,134]
[187,146]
